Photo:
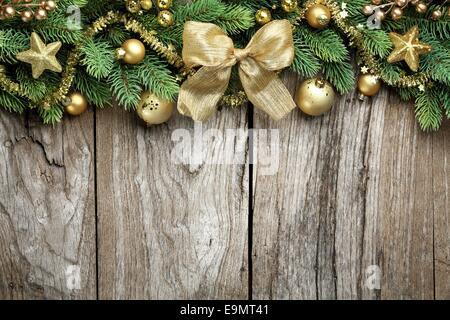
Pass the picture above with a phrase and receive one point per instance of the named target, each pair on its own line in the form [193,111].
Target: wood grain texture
[170,230]
[47,209]
[359,187]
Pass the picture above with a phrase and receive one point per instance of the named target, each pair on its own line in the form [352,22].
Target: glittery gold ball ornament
[289,5]
[315,96]
[263,16]
[165,18]
[318,16]
[154,110]
[132,51]
[368,85]
[76,104]
[436,14]
[164,4]
[146,4]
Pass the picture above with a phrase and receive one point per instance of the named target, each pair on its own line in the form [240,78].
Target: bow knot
[241,54]
[270,50]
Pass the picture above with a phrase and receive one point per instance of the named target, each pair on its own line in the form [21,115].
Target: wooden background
[99,199]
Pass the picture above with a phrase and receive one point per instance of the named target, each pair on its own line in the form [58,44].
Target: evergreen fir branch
[36,89]
[11,102]
[437,62]
[96,91]
[326,44]
[125,84]
[98,58]
[340,75]
[52,115]
[11,43]
[377,42]
[156,77]
[305,63]
[428,110]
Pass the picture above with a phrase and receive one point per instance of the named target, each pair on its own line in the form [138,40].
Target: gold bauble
[263,16]
[154,110]
[421,7]
[397,13]
[436,14]
[76,104]
[165,18]
[164,4]
[133,6]
[315,96]
[367,9]
[369,85]
[289,5]
[318,16]
[146,4]
[133,51]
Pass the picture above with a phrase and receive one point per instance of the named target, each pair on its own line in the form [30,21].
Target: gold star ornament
[408,48]
[41,57]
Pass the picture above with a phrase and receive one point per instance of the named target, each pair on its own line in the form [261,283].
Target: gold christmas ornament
[263,16]
[315,97]
[132,51]
[41,57]
[164,4]
[146,4]
[318,16]
[133,6]
[396,13]
[289,5]
[154,110]
[76,104]
[408,48]
[165,18]
[368,85]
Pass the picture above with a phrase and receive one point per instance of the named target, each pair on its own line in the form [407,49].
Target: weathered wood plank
[169,230]
[359,187]
[47,209]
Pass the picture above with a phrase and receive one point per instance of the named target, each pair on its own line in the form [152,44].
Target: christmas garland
[63,55]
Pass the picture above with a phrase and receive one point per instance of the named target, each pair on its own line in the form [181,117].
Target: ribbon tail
[265,90]
[200,94]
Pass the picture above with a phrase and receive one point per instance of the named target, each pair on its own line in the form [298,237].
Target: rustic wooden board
[360,192]
[169,230]
[47,209]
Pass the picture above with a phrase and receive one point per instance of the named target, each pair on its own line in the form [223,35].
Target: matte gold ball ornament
[154,110]
[368,85]
[318,16]
[76,104]
[263,16]
[315,96]
[132,51]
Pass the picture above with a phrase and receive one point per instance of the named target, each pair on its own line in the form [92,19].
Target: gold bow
[205,44]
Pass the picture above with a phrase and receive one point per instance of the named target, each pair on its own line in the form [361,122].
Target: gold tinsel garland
[170,54]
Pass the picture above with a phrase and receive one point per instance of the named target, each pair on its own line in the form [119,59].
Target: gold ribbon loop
[206,45]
